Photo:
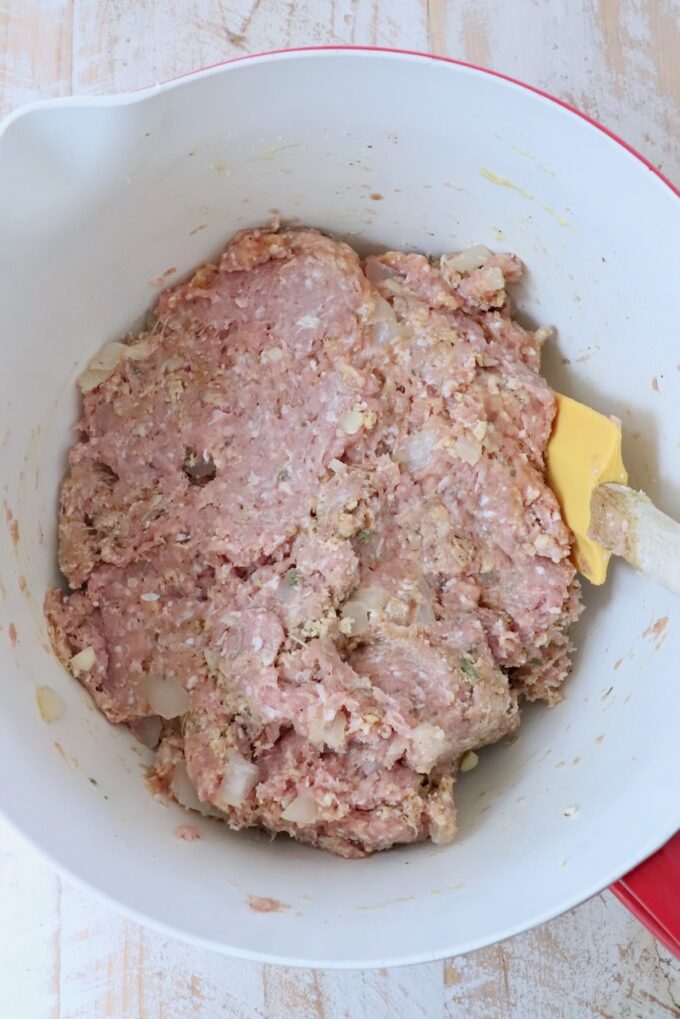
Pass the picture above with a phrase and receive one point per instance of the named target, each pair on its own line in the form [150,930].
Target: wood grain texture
[35,50]
[616,60]
[64,954]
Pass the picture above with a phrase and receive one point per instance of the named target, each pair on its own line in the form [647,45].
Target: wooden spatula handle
[628,524]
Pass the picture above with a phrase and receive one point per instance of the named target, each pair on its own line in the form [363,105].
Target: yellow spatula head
[584,451]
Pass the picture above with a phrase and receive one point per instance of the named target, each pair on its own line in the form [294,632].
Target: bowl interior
[104,201]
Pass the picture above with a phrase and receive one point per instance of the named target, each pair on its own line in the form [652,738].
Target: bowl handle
[652,893]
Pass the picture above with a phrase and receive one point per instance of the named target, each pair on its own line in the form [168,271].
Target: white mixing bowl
[100,199]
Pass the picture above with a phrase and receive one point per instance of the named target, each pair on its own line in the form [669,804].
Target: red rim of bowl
[447,60]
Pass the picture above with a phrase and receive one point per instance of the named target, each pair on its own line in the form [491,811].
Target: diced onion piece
[466,261]
[50,704]
[493,278]
[101,367]
[374,598]
[467,449]
[83,661]
[302,810]
[418,450]
[363,601]
[166,697]
[384,324]
[184,792]
[334,732]
[148,730]
[240,778]
[357,614]
[286,593]
[352,421]
[212,658]
[378,272]
[429,744]
[322,732]
[137,351]
[105,362]
[469,761]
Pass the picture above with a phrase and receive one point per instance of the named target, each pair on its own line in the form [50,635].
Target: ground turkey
[312,554]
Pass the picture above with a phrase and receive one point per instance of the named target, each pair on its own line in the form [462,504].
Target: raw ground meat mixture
[313,556]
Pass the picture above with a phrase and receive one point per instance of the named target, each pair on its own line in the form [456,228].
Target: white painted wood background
[63,954]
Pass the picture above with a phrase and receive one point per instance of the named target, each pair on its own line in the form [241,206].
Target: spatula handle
[628,524]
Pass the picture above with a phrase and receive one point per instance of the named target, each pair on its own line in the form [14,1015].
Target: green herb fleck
[513,472]
[536,661]
[469,670]
[283,474]
[363,535]
[293,578]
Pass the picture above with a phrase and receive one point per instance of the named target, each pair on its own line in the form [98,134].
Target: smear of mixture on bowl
[313,556]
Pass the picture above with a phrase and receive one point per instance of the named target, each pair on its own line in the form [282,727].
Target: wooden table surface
[63,954]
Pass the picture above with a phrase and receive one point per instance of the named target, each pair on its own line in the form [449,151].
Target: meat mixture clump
[312,554]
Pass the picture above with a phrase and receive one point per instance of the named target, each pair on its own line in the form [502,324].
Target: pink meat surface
[313,556]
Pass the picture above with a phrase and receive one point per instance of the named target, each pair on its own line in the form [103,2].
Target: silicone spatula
[586,473]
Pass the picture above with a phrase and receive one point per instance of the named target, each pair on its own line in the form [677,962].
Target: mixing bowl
[105,200]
